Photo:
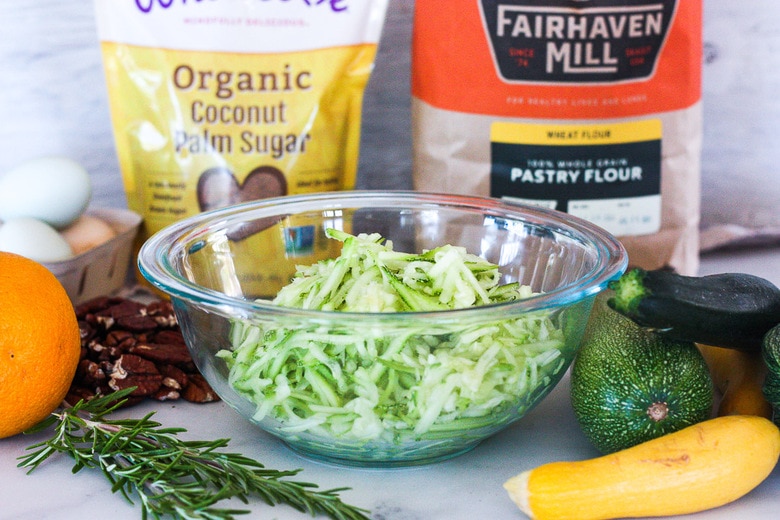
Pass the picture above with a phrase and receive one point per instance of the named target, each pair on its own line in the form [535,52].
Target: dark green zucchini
[730,310]
[771,353]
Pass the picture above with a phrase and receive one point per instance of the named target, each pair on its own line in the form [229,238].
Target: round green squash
[630,385]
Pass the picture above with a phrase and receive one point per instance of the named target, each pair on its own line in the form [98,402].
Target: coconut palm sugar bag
[591,107]
[220,102]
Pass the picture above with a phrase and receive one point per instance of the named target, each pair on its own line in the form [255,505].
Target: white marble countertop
[54,98]
[468,487]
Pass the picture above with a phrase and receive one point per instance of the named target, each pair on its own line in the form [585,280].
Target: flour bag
[224,101]
[592,107]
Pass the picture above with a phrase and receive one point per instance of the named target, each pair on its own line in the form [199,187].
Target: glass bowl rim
[154,257]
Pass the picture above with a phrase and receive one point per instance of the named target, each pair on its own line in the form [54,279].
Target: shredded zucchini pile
[353,381]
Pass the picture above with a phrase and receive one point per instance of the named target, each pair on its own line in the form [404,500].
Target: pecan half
[131,370]
[167,353]
[198,390]
[166,394]
[173,377]
[90,372]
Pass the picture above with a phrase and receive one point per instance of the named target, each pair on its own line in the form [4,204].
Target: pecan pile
[126,343]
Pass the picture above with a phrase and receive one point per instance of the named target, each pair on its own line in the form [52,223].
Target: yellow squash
[739,377]
[700,467]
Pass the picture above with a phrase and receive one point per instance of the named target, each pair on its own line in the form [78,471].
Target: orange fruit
[40,343]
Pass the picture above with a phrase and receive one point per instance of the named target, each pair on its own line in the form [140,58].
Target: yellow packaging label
[576,134]
[203,130]
[219,103]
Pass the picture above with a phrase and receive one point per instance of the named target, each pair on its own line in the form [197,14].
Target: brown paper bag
[592,108]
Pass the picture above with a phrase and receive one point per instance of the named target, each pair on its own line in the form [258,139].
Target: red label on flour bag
[588,107]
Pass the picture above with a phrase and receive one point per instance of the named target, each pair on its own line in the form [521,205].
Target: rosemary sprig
[168,475]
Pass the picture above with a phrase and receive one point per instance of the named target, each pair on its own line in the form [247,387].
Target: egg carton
[101,270]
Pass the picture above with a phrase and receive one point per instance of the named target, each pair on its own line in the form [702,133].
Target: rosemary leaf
[171,477]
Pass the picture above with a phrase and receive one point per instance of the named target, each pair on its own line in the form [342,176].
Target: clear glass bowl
[380,389]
